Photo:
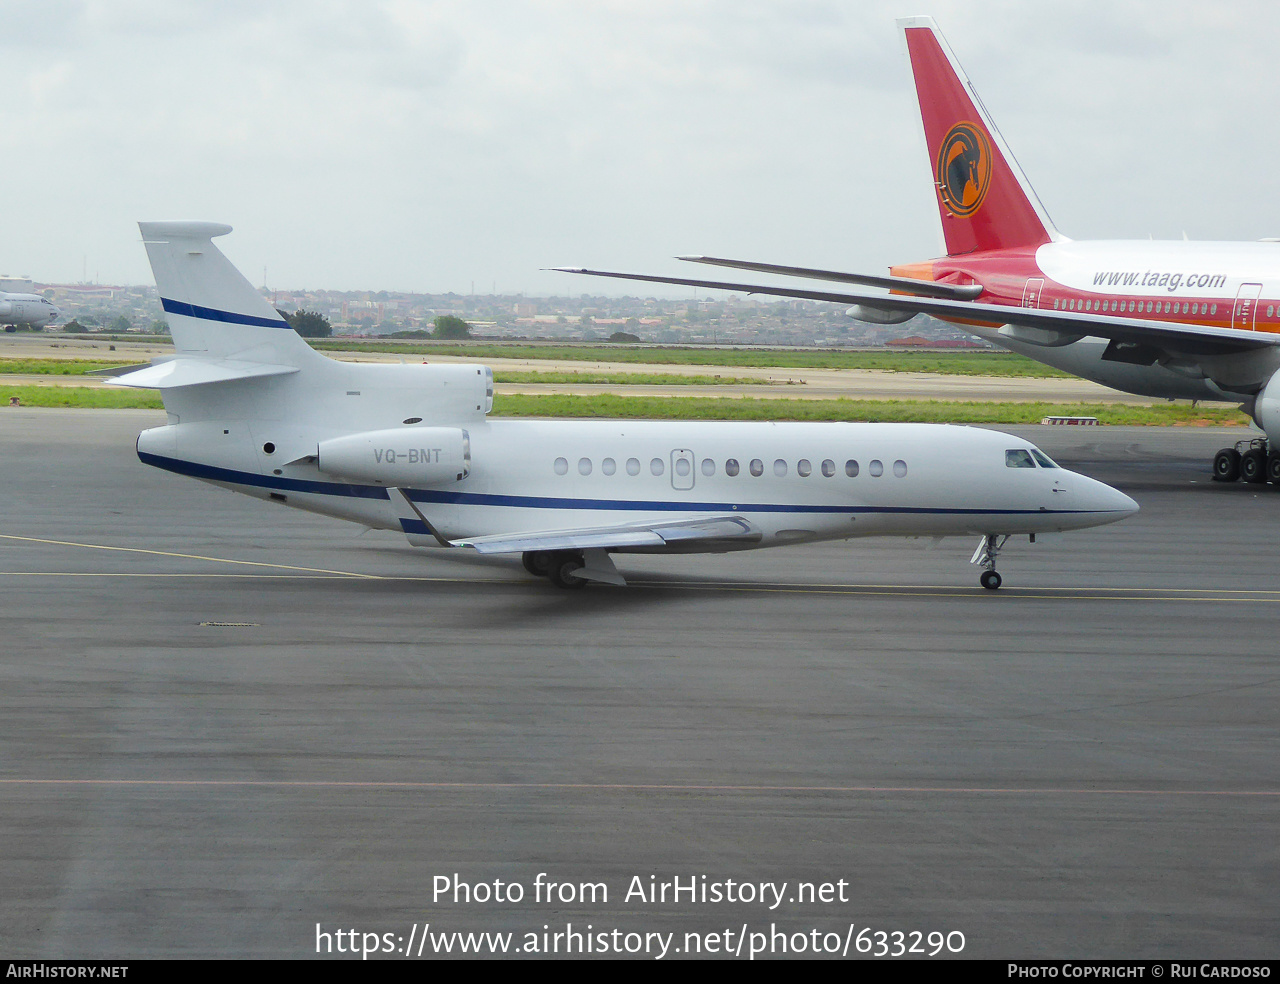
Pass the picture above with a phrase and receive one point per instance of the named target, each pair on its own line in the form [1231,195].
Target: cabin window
[851,468]
[708,467]
[803,468]
[633,466]
[1214,309]
[1018,458]
[828,468]
[876,467]
[731,467]
[656,466]
[756,467]
[683,466]
[608,466]
[780,468]
[1270,310]
[1044,459]
[562,466]
[584,466]
[900,468]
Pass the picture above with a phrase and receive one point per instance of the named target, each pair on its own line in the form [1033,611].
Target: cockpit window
[1044,459]
[1018,458]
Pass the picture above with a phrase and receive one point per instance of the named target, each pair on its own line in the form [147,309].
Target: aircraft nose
[1111,504]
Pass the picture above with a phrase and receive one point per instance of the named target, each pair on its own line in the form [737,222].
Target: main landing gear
[556,565]
[1254,461]
[985,555]
[572,568]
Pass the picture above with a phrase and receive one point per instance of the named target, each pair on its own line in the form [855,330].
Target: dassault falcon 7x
[1176,320]
[411,448]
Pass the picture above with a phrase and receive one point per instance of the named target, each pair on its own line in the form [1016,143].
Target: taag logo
[964,168]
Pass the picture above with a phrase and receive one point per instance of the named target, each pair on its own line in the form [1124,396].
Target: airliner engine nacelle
[399,456]
[878,316]
[1266,409]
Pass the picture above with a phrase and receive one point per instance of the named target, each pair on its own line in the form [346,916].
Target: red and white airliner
[1177,320]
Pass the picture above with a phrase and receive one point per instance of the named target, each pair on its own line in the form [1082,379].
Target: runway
[229,728]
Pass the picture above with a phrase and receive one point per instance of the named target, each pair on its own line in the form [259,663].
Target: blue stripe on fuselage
[439,497]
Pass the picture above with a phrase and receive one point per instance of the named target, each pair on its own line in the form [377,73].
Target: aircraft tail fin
[984,199]
[212,310]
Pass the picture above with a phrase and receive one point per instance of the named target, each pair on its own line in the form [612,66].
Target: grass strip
[54,367]
[984,363]
[720,408]
[887,411]
[587,377]
[85,397]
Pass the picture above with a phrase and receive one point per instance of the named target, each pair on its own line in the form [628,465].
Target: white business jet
[411,448]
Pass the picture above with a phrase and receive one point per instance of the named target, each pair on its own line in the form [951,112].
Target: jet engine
[878,316]
[399,456]
[1266,410]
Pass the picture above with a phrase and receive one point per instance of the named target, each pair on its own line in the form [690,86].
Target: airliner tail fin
[984,199]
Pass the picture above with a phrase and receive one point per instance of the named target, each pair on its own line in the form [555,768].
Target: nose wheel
[985,555]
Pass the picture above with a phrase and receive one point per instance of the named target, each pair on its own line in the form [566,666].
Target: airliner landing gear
[985,555]
[1254,461]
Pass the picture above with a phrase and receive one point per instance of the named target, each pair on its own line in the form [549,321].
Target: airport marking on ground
[183,556]
[408,784]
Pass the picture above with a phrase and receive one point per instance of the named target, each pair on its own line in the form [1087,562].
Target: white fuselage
[793,481]
[26,309]
[1223,284]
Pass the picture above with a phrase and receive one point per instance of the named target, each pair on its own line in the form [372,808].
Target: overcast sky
[430,146]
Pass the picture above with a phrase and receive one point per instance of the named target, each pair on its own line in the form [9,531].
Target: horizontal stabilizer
[654,536]
[907,285]
[196,372]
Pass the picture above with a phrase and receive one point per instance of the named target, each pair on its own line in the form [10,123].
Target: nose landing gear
[985,555]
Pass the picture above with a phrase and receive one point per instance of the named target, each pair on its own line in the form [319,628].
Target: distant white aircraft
[30,310]
[410,448]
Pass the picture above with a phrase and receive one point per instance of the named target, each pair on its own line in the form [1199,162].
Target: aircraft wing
[1061,327]
[646,536]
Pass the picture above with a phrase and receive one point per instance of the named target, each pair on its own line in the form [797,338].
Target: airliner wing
[1063,326]
[681,534]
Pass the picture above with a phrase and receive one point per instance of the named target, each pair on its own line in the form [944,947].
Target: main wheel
[1226,465]
[1253,466]
[536,562]
[1273,467]
[990,580]
[562,575]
